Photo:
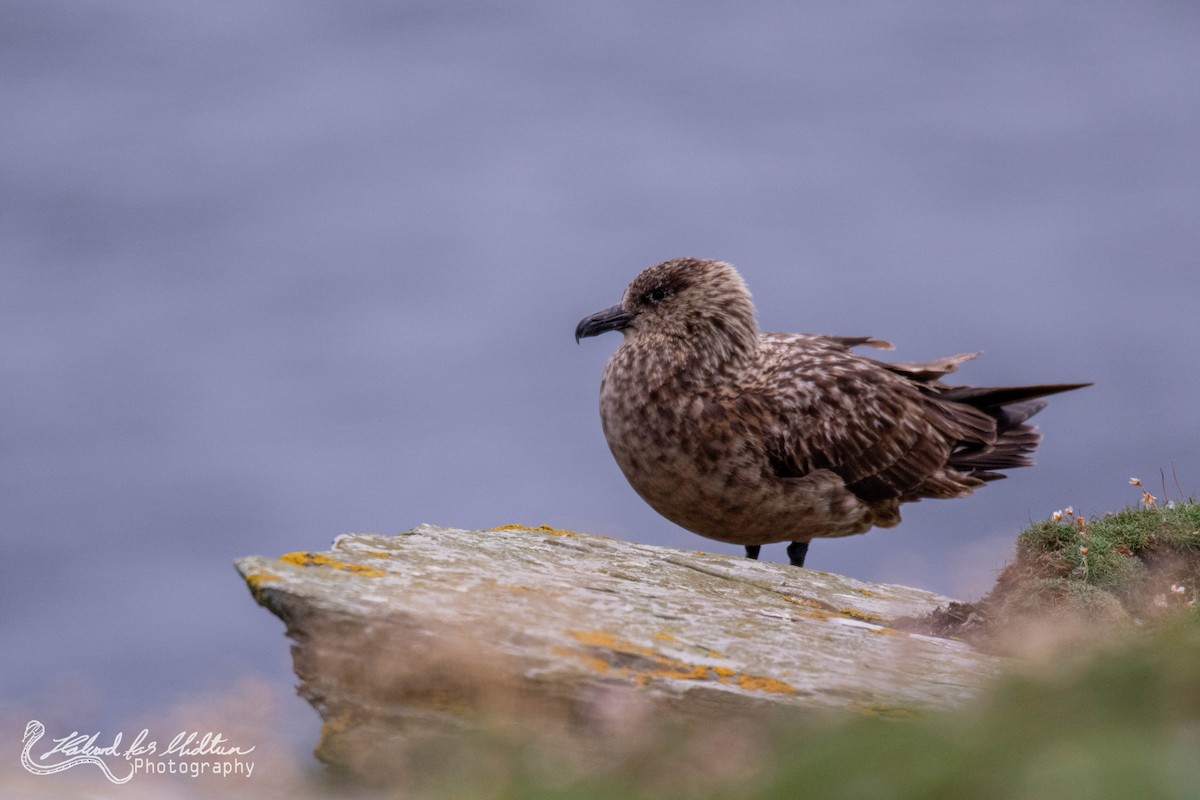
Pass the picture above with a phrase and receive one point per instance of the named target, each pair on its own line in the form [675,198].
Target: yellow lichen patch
[337,724]
[715,654]
[610,642]
[759,684]
[809,602]
[673,669]
[654,665]
[866,593]
[811,609]
[887,631]
[663,636]
[815,609]
[306,559]
[596,663]
[255,581]
[379,554]
[538,529]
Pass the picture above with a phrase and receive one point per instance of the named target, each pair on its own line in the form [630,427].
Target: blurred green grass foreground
[1102,699]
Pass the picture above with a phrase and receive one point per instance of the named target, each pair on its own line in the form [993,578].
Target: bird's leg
[796,552]
[752,550]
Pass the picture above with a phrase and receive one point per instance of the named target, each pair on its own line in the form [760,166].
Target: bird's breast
[673,438]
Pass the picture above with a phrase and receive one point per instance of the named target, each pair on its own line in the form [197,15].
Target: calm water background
[272,272]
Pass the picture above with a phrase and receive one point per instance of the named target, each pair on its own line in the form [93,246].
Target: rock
[438,629]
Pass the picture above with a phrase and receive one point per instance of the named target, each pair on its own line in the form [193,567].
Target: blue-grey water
[271,272]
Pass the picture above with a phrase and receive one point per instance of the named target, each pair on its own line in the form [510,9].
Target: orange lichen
[338,724]
[306,559]
[538,529]
[758,684]
[255,581]
[861,616]
[665,637]
[596,663]
[674,669]
[811,609]
[815,609]
[807,602]
[653,665]
[607,640]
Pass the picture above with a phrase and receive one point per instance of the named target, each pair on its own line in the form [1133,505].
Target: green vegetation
[1136,564]
[1082,577]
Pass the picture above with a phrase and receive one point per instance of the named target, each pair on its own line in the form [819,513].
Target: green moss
[1138,557]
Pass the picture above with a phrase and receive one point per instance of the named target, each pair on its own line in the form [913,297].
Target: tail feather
[1008,417]
[1015,441]
[988,397]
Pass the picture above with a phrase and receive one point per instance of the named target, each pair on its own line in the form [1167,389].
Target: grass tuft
[1137,565]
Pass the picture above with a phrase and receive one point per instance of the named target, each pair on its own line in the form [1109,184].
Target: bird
[755,438]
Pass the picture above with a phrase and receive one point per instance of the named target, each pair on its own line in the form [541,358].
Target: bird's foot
[796,552]
[752,551]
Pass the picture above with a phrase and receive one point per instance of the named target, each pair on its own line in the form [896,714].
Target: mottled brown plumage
[753,438]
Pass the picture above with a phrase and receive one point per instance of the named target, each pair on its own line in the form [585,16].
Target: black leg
[752,550]
[796,552]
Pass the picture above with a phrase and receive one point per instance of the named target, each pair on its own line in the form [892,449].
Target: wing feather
[873,426]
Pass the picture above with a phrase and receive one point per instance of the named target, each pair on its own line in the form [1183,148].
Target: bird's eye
[658,295]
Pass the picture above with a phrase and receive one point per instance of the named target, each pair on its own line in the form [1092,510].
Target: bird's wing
[926,371]
[921,371]
[872,426]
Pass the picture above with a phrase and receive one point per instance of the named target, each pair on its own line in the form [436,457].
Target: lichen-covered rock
[400,636]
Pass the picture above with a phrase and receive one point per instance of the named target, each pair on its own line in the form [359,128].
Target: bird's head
[685,302]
